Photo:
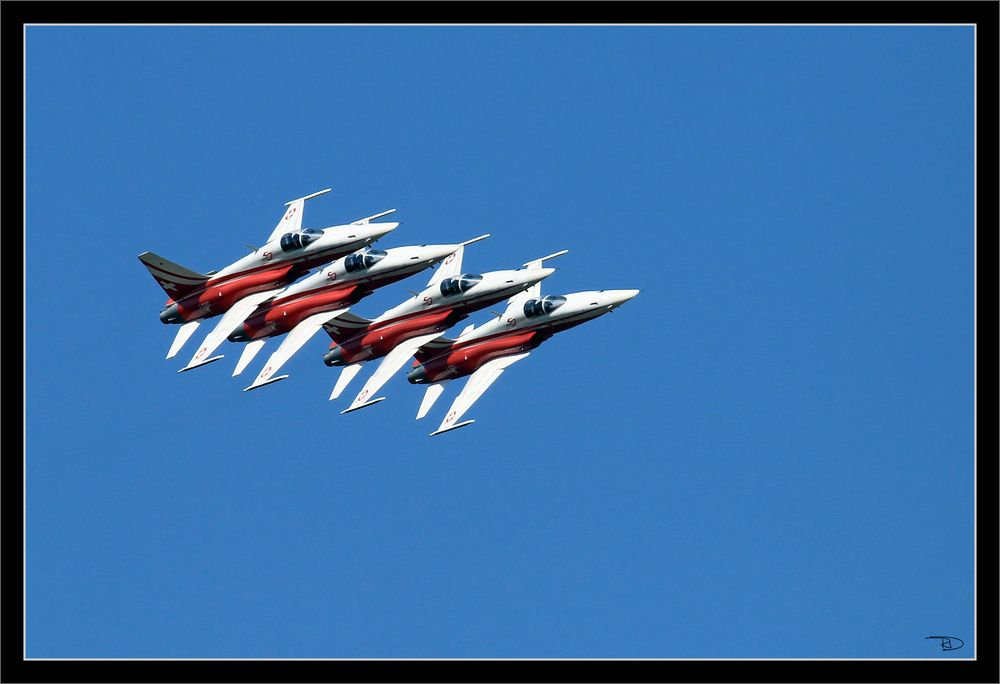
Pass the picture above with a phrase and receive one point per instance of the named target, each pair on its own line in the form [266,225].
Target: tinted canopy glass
[453,286]
[373,256]
[365,259]
[545,305]
[290,241]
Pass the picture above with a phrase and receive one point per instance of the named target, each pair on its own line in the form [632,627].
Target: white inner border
[24,339]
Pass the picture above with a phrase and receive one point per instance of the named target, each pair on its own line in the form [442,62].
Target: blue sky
[767,453]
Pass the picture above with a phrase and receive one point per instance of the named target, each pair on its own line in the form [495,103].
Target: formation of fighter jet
[397,334]
[257,297]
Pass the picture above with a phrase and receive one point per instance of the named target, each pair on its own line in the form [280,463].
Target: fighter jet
[484,353]
[302,309]
[236,290]
[450,296]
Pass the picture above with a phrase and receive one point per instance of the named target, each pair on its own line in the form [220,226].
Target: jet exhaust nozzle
[332,357]
[417,374]
[171,315]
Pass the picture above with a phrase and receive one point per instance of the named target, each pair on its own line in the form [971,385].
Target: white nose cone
[619,297]
[437,252]
[536,275]
[377,230]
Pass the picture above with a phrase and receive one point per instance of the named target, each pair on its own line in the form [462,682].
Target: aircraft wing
[392,362]
[535,290]
[238,313]
[292,220]
[293,341]
[478,383]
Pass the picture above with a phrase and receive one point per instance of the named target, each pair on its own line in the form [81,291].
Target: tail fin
[175,280]
[345,324]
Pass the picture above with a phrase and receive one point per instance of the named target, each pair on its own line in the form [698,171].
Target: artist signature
[948,643]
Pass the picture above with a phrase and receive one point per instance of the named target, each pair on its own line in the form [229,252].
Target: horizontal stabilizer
[361,406]
[346,375]
[201,363]
[453,427]
[249,351]
[183,335]
[266,382]
[434,391]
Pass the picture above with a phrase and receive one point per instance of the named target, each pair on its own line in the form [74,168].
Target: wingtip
[202,363]
[257,385]
[453,427]
[361,406]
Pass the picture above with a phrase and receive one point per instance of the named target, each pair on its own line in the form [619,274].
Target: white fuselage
[334,240]
[494,286]
[398,263]
[579,307]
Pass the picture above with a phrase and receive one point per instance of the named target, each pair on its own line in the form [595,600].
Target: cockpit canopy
[545,305]
[364,259]
[290,241]
[453,286]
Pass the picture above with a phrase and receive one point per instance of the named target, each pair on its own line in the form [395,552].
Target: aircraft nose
[378,230]
[417,374]
[440,251]
[619,297]
[534,275]
[238,335]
